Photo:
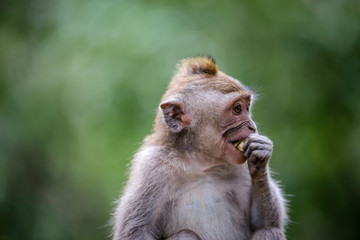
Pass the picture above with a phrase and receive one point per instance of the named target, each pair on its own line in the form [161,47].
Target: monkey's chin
[241,159]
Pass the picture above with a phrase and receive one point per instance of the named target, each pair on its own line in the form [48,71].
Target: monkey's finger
[259,156]
[257,146]
[262,141]
[259,138]
[256,138]
[262,154]
[255,161]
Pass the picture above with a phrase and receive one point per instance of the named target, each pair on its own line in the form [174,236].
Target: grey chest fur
[214,208]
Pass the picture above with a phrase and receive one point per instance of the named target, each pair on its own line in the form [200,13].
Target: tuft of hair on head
[199,65]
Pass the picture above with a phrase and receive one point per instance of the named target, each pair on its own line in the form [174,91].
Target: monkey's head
[205,110]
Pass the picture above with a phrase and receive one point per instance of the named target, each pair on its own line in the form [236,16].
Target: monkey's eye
[237,109]
[248,107]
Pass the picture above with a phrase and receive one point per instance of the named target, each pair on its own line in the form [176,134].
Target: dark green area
[80,82]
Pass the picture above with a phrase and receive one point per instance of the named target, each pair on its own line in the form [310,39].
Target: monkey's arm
[132,215]
[268,206]
[137,215]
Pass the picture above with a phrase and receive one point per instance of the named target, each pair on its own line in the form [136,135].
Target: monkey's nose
[252,127]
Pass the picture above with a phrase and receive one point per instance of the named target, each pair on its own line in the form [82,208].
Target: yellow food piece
[240,147]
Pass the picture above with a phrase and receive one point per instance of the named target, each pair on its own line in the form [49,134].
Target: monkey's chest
[213,209]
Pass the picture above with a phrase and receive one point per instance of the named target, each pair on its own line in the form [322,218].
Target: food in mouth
[239,145]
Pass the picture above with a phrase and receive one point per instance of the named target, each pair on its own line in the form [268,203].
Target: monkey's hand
[258,150]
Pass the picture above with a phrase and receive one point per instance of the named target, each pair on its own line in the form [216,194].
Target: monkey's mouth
[239,145]
[236,151]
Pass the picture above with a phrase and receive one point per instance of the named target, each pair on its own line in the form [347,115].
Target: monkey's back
[222,197]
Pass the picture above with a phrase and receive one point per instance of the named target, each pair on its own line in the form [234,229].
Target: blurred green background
[80,82]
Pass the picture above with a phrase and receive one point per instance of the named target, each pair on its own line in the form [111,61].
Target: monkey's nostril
[253,129]
[252,126]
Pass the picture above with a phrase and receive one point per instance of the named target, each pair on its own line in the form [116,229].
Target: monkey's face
[221,122]
[236,125]
[205,110]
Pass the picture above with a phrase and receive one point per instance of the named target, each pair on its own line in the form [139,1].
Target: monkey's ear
[174,115]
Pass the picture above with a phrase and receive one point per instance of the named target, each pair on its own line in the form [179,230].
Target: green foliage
[80,82]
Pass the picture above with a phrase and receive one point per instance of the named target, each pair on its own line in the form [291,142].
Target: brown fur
[201,72]
[198,65]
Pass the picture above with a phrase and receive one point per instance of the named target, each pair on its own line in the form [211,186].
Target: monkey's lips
[236,151]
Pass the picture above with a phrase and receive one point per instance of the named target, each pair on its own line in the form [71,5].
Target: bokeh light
[80,82]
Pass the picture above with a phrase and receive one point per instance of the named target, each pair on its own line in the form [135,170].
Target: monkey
[191,180]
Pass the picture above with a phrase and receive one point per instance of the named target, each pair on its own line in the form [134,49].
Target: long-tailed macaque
[203,172]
